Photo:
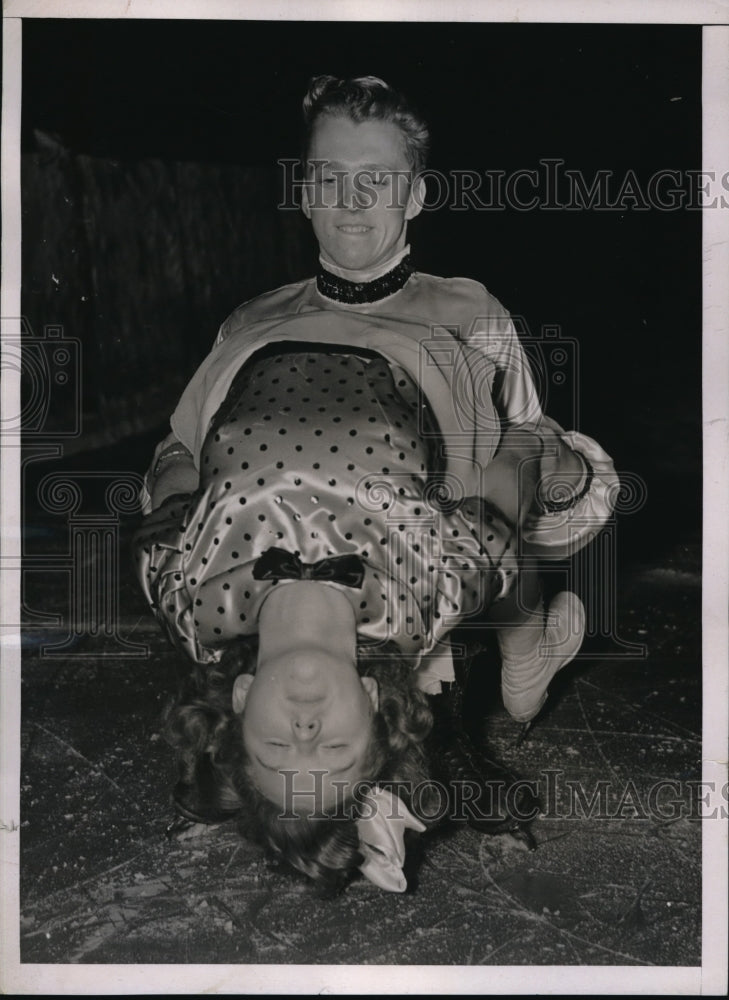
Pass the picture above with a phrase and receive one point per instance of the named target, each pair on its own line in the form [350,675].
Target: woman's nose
[305,727]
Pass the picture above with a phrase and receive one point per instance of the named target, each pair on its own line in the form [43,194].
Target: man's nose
[351,196]
[306,726]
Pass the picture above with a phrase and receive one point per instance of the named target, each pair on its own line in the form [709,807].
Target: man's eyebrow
[340,165]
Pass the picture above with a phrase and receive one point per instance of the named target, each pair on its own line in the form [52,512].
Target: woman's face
[359,195]
[307,725]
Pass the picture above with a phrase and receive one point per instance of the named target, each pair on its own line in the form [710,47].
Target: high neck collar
[368,273]
[355,287]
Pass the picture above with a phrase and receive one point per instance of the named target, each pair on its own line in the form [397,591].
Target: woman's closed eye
[280,744]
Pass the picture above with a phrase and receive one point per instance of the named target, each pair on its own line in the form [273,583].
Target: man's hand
[562,472]
[177,474]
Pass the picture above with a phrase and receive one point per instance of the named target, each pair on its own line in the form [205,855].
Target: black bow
[278,564]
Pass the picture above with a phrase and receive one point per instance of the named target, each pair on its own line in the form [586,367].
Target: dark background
[150,189]
[151,186]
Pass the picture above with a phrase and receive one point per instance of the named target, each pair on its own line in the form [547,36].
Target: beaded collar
[352,292]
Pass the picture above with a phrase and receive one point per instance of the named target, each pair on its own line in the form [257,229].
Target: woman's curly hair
[214,781]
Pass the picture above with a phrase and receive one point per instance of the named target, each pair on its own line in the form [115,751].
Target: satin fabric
[322,454]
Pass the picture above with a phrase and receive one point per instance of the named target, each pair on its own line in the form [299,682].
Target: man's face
[359,195]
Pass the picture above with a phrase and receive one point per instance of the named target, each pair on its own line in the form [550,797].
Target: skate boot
[525,677]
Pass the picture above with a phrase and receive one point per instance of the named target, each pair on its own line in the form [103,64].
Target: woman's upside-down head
[303,814]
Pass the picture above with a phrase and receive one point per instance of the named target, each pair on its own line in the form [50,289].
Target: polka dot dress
[320,454]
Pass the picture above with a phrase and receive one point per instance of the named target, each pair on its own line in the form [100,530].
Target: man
[365,150]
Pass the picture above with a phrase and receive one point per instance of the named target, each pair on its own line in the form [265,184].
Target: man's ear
[373,691]
[416,199]
[240,691]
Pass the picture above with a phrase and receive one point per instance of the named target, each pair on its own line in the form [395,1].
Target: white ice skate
[526,677]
